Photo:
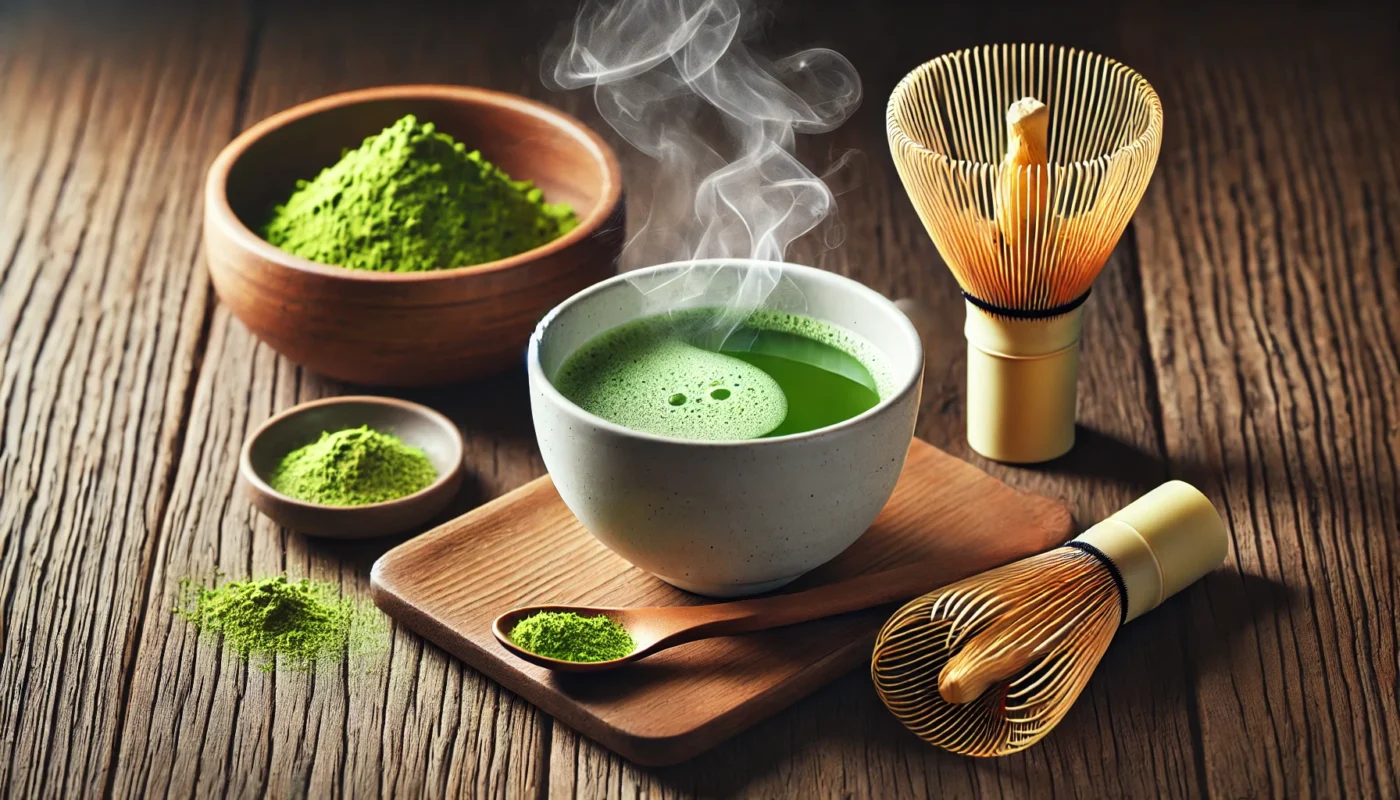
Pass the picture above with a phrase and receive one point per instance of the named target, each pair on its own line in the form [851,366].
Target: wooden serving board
[526,547]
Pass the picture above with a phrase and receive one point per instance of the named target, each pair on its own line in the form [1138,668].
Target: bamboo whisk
[988,665]
[1025,163]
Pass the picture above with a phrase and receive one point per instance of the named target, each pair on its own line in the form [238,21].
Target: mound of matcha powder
[353,467]
[411,199]
[567,636]
[298,622]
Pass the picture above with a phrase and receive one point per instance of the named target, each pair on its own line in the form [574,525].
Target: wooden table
[1242,338]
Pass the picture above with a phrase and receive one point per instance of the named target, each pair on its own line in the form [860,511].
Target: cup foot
[726,590]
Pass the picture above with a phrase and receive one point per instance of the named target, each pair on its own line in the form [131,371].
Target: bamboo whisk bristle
[988,665]
[1024,224]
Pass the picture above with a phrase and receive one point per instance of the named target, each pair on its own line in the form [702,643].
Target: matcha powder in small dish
[353,467]
[566,636]
[300,622]
[412,199]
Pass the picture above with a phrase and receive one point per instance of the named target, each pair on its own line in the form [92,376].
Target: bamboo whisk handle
[1022,381]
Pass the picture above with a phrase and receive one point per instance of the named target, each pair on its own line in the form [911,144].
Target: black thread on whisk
[1113,573]
[1024,313]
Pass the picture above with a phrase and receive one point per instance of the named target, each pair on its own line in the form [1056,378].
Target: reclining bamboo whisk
[989,665]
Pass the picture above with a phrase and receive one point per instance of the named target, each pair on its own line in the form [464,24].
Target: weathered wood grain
[1243,337]
[101,302]
[411,721]
[1271,288]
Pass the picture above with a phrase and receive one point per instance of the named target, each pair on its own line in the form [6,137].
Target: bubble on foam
[641,374]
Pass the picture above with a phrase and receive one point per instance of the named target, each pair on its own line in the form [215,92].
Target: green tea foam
[641,376]
[648,376]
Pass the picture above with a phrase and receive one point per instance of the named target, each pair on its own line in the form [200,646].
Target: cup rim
[903,385]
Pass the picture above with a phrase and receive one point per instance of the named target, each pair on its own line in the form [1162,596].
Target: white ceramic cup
[726,518]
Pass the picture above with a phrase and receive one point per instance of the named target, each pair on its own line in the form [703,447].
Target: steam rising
[659,69]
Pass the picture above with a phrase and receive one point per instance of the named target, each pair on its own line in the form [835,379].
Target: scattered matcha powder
[299,622]
[412,199]
[353,467]
[566,636]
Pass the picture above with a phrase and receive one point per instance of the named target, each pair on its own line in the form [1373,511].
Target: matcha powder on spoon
[412,199]
[566,636]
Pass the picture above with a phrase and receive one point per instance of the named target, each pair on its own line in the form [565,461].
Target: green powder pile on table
[567,636]
[412,199]
[353,467]
[299,622]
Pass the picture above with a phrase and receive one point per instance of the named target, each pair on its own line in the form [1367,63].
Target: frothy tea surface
[776,375]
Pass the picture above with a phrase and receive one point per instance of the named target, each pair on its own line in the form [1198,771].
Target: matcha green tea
[353,467]
[777,374]
[274,620]
[412,199]
[566,636]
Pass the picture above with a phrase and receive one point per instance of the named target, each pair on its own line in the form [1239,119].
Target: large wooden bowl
[408,329]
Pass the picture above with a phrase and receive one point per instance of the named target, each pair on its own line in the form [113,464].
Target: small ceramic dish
[301,425]
[408,328]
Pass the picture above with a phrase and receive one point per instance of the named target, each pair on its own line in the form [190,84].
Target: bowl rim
[245,456]
[904,385]
[219,211]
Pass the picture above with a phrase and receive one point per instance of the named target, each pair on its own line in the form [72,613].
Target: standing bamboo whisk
[988,665]
[1025,163]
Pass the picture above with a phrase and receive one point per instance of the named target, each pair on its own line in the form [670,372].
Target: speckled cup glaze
[727,519]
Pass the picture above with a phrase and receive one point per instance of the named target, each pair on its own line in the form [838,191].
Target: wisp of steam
[659,69]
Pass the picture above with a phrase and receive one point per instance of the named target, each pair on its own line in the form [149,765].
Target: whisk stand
[1021,379]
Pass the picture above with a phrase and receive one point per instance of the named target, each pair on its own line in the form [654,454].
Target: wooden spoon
[655,629]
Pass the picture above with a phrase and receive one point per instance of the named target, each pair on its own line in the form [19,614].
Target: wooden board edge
[1059,524]
[1056,526]
[645,750]
[384,564]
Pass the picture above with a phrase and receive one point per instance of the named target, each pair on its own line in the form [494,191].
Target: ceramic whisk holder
[732,518]
[1021,381]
